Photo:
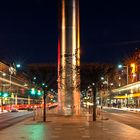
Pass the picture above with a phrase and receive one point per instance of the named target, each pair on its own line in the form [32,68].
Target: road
[125,117]
[10,118]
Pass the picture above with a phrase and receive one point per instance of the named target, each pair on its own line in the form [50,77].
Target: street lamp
[34,78]
[12,71]
[44,86]
[120,67]
[4,74]
[102,78]
[18,65]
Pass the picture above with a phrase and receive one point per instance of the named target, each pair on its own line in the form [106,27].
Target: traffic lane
[112,110]
[9,119]
[122,112]
[11,115]
[128,118]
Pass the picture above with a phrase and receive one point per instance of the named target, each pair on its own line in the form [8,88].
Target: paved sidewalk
[69,128]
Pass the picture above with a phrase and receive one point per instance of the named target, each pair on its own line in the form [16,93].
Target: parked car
[14,110]
[29,109]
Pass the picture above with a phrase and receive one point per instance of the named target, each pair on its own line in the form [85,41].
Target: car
[30,109]
[14,110]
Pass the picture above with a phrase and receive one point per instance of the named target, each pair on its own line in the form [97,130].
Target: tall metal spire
[69,58]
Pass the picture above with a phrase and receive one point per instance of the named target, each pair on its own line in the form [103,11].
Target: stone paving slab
[69,128]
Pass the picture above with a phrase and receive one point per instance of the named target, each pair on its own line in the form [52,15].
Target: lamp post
[94,91]
[12,71]
[127,80]
[44,111]
[44,98]
[33,94]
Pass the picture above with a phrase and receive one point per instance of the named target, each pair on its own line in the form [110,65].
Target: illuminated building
[128,95]
[12,85]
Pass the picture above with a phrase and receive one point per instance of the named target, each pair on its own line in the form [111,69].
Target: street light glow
[34,78]
[120,66]
[111,84]
[4,74]
[18,65]
[43,84]
[102,78]
[93,84]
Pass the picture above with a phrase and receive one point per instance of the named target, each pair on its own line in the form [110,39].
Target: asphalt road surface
[10,118]
[129,118]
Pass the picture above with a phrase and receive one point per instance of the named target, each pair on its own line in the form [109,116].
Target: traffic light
[5,94]
[39,93]
[33,91]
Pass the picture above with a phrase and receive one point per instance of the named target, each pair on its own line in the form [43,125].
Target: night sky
[110,31]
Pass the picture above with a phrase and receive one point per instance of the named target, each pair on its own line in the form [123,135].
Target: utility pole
[94,102]
[34,109]
[44,112]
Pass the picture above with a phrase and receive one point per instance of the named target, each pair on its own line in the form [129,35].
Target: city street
[71,128]
[129,118]
[69,70]
[10,118]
